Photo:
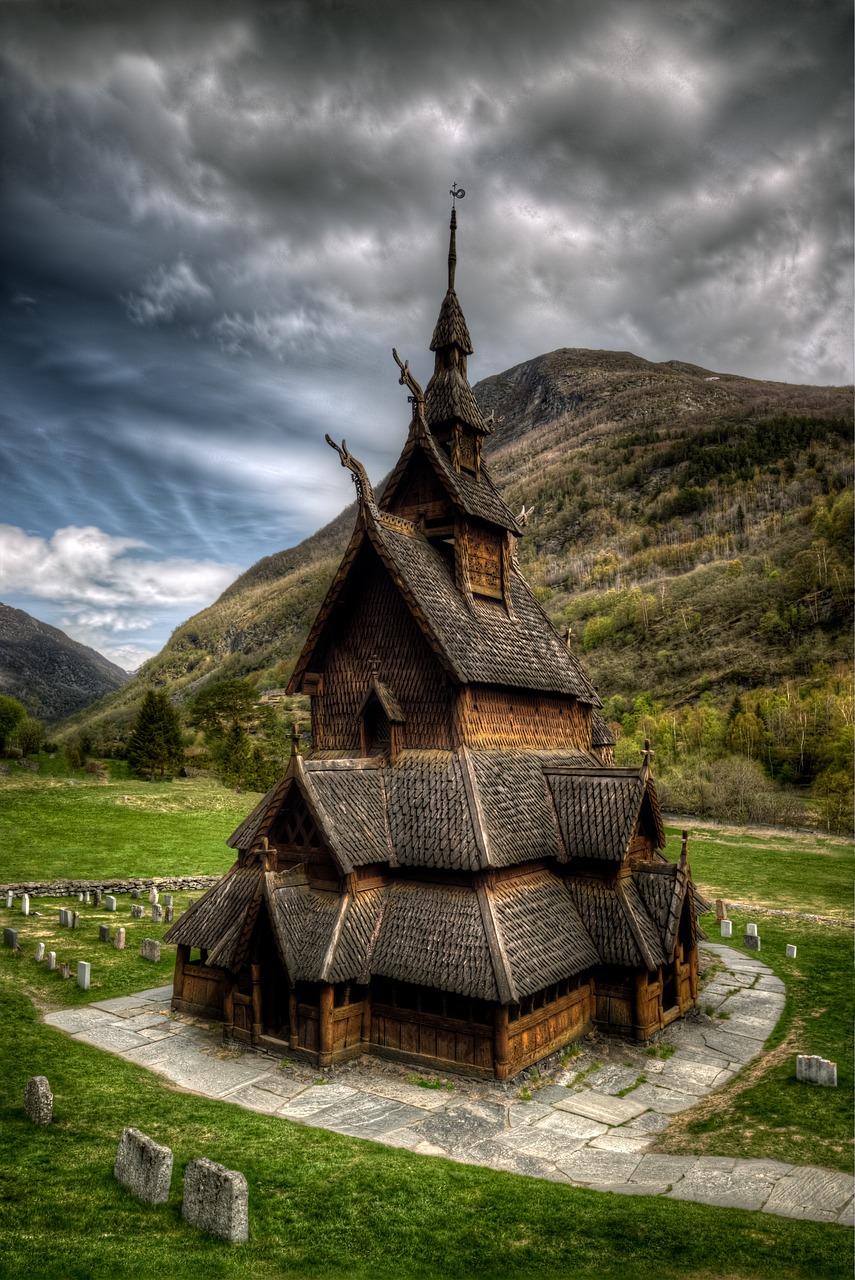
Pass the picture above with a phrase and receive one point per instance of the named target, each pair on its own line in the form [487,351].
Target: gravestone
[720,910]
[135,893]
[110,902]
[791,951]
[10,938]
[103,933]
[157,913]
[87,898]
[727,928]
[64,969]
[40,951]
[10,897]
[151,949]
[80,897]
[811,1069]
[38,1100]
[62,917]
[751,942]
[143,1166]
[25,904]
[137,911]
[84,972]
[96,898]
[751,930]
[152,897]
[216,1200]
[51,960]
[168,914]
[119,940]
[168,900]
[75,920]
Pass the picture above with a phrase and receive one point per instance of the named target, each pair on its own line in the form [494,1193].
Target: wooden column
[325,1029]
[501,1053]
[229,1007]
[365,1034]
[693,972]
[256,1002]
[293,1025]
[642,1005]
[181,958]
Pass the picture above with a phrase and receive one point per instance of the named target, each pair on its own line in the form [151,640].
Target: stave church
[456,875]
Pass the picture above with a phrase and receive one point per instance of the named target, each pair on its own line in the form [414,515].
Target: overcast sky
[217,220]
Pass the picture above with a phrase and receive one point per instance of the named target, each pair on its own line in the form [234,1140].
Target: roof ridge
[329,954]
[495,943]
[476,811]
[637,933]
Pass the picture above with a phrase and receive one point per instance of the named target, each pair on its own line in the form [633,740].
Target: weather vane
[456,193]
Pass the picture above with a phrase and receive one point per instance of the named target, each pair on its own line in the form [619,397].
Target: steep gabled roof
[598,810]
[618,922]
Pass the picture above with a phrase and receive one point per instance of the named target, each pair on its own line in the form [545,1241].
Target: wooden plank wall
[545,1030]
[501,718]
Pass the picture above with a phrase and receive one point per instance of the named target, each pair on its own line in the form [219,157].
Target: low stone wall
[66,888]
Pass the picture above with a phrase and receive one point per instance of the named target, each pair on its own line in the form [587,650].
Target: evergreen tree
[155,743]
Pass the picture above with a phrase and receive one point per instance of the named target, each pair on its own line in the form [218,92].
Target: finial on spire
[295,738]
[456,193]
[364,491]
[684,851]
[647,756]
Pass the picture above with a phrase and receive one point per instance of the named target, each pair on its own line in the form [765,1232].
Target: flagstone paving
[590,1125]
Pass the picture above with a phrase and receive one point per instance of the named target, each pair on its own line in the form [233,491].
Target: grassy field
[325,1206]
[803,872]
[49,827]
[322,1205]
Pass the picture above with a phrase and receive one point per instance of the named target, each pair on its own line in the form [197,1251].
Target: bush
[733,789]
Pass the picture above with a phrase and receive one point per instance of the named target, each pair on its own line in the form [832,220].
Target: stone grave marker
[25,904]
[38,1100]
[96,898]
[80,897]
[103,933]
[62,917]
[811,1069]
[84,973]
[119,940]
[10,897]
[10,938]
[143,1166]
[168,900]
[153,896]
[727,928]
[751,942]
[75,920]
[110,902]
[168,914]
[720,909]
[64,969]
[216,1200]
[151,949]
[87,898]
[791,951]
[40,951]
[135,893]
[157,913]
[137,911]
[51,960]
[751,930]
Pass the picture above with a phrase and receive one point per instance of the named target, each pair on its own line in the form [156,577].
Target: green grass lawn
[322,1205]
[811,873]
[50,828]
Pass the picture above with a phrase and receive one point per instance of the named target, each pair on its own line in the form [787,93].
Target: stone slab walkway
[591,1126]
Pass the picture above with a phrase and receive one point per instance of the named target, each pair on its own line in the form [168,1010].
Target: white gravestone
[751,930]
[791,951]
[51,960]
[25,904]
[811,1069]
[727,928]
[119,940]
[110,902]
[40,951]
[84,970]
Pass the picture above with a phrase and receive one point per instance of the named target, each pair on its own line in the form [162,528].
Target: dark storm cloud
[218,219]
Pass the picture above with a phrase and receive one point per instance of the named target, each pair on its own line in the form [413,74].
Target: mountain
[48,672]
[693,529]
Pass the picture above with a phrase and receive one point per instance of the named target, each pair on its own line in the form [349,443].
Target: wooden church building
[456,875]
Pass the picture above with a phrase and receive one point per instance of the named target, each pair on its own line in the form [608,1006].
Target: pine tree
[155,742]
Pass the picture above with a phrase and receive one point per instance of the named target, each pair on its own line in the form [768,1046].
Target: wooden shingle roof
[598,810]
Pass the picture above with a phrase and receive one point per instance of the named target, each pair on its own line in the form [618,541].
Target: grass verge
[324,1206]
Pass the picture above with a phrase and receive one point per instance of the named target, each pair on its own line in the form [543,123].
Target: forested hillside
[693,529]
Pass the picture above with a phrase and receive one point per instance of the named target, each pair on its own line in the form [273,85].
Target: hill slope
[48,672]
[691,527]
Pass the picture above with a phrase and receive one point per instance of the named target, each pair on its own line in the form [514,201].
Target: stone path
[591,1125]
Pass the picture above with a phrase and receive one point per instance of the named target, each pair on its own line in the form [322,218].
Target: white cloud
[86,566]
[165,292]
